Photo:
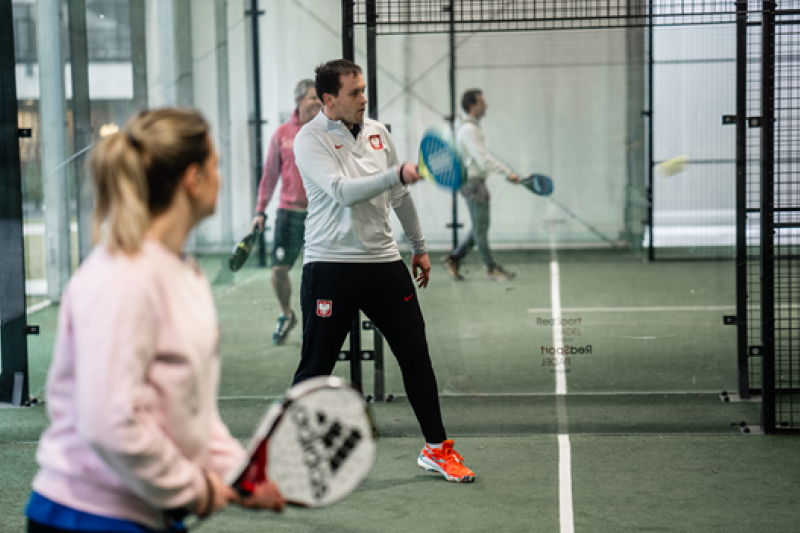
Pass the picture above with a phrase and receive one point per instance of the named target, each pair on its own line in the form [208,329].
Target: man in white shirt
[352,176]
[480,163]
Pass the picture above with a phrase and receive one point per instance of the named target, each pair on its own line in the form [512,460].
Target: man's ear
[329,100]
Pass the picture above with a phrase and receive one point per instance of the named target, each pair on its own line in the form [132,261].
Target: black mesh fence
[784,258]
[435,16]
[753,195]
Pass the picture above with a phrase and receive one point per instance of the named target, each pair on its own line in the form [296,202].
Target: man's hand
[408,173]
[259,222]
[424,264]
[513,178]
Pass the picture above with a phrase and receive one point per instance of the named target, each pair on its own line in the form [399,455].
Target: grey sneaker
[282,329]
[451,267]
[496,273]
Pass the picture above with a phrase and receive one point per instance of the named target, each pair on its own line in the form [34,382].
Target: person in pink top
[292,209]
[135,436]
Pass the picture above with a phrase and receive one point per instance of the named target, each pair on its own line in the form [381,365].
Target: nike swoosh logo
[337,147]
[409,297]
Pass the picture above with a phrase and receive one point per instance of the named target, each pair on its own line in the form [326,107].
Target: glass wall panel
[586,312]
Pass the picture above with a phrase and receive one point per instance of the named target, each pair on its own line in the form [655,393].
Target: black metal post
[651,251]
[372,59]
[257,121]
[380,382]
[767,216]
[13,320]
[348,39]
[743,373]
[452,7]
[355,353]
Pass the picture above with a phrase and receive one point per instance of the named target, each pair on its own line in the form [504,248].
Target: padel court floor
[639,442]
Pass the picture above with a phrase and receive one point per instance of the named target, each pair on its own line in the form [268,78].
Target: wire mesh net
[786,220]
[433,16]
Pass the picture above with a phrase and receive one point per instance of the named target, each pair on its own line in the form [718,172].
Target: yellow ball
[673,166]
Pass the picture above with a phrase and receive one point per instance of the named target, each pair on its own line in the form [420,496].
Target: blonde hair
[136,171]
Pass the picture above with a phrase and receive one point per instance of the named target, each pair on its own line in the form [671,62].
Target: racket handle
[245,488]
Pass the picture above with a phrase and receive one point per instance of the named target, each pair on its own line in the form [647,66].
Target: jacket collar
[336,125]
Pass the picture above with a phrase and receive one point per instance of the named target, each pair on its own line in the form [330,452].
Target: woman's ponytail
[137,171]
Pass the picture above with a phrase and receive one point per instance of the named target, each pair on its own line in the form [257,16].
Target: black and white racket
[241,252]
[439,160]
[316,442]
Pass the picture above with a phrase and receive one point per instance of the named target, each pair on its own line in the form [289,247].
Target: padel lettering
[556,361]
[567,332]
[567,350]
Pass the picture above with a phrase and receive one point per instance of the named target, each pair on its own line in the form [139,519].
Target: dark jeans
[332,293]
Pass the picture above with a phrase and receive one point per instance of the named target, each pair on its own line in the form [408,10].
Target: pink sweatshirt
[280,162]
[132,388]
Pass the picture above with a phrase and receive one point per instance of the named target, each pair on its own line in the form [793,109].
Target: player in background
[480,163]
[291,215]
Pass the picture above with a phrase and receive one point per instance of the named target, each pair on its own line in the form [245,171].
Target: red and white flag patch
[375,142]
[324,308]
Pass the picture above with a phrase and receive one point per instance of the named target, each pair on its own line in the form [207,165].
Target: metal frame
[14,382]
[743,375]
[780,210]
[405,17]
[434,16]
[256,121]
[756,360]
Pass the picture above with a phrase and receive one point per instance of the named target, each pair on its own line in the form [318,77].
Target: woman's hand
[216,497]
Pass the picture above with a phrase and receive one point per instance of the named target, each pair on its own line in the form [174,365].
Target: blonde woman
[135,435]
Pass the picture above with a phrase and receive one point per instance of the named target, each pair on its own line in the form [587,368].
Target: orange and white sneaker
[447,462]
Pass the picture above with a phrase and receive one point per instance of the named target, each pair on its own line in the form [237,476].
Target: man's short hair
[329,76]
[301,89]
[469,99]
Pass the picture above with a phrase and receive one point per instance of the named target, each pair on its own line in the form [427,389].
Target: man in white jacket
[352,176]
[480,163]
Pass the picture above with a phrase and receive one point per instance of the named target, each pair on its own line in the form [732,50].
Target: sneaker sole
[424,464]
[277,341]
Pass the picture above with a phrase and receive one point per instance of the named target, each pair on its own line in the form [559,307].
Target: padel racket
[538,184]
[439,161]
[316,444]
[241,252]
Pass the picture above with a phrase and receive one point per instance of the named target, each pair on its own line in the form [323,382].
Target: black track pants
[330,296]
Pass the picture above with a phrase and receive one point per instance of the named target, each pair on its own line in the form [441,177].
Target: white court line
[565,513]
[236,286]
[555,302]
[565,517]
[37,307]
[636,309]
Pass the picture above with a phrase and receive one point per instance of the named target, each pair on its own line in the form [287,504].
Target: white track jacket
[351,184]
[472,147]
